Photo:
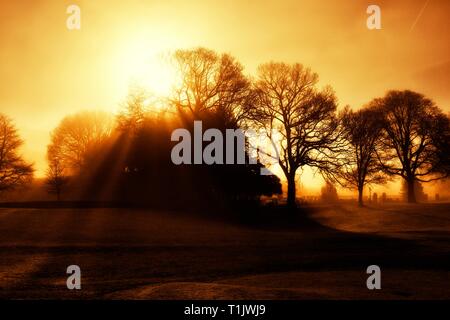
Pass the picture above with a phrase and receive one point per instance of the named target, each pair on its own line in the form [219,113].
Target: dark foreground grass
[321,253]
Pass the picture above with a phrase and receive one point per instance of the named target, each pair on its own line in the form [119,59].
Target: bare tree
[289,103]
[134,111]
[362,129]
[56,177]
[211,82]
[14,171]
[77,135]
[442,143]
[412,126]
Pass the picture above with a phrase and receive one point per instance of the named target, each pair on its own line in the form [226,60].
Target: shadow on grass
[270,240]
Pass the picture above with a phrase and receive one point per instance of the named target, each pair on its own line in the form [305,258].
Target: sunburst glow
[146,66]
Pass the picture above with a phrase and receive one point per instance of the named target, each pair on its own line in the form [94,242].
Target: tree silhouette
[14,171]
[211,82]
[213,89]
[76,136]
[135,166]
[56,175]
[442,143]
[413,125]
[418,191]
[362,129]
[289,103]
[139,105]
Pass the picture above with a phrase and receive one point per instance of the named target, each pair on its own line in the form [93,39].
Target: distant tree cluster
[402,134]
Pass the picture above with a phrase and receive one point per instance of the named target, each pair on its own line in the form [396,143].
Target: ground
[147,254]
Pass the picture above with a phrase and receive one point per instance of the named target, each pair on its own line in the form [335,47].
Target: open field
[144,254]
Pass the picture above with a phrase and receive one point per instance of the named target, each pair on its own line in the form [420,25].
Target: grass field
[144,254]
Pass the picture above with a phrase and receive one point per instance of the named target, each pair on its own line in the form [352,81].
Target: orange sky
[48,71]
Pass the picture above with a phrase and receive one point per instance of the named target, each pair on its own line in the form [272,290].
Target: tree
[14,170]
[56,178]
[76,136]
[442,143]
[419,192]
[133,112]
[412,127]
[213,89]
[362,129]
[211,82]
[289,103]
[139,105]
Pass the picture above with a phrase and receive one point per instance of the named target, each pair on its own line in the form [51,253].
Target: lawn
[147,254]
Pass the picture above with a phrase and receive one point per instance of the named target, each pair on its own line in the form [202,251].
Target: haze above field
[48,71]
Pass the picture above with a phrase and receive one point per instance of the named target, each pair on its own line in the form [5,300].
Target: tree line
[94,155]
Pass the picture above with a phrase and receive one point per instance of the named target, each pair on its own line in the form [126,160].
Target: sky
[48,71]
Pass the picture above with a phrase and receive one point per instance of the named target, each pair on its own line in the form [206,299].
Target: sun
[146,66]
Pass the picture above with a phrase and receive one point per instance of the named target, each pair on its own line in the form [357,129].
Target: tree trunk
[411,193]
[291,191]
[360,197]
